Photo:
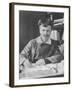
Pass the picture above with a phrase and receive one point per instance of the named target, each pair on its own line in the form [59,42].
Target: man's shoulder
[34,41]
[54,42]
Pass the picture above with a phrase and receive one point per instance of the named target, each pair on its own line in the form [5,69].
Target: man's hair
[45,22]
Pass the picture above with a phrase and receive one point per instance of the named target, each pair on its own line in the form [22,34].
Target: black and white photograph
[41,44]
[40,35]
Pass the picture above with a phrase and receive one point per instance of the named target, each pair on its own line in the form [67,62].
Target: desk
[44,71]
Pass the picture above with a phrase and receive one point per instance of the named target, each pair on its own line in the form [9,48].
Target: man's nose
[45,32]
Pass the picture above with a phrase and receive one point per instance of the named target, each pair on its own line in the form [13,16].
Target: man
[41,50]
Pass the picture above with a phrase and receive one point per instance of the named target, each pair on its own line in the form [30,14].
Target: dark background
[28,28]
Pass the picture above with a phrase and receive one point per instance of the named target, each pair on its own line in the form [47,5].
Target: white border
[16,44]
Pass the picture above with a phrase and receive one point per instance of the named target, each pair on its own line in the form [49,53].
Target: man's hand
[27,64]
[54,59]
[21,67]
[40,62]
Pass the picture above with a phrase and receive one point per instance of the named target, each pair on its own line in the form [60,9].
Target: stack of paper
[43,71]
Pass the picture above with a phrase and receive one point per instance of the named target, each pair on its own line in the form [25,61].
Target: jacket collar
[39,40]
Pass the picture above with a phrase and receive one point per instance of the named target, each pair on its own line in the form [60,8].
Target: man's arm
[23,57]
[54,59]
[57,57]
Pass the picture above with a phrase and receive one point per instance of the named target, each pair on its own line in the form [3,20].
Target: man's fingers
[21,67]
[40,62]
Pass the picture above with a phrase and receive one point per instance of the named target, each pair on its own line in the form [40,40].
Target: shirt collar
[39,40]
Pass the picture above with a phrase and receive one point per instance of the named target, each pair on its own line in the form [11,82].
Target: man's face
[45,31]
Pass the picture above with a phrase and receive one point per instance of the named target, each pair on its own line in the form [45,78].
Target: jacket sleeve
[54,59]
[57,57]
[25,53]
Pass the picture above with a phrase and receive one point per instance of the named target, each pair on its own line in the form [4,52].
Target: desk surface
[45,71]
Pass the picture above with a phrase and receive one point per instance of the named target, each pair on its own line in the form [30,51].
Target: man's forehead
[45,27]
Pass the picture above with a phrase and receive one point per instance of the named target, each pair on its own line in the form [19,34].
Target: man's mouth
[46,35]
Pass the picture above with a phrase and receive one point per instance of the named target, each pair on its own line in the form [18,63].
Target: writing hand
[40,62]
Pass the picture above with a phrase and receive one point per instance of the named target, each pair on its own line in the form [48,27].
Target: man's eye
[48,30]
[43,30]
